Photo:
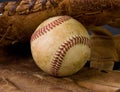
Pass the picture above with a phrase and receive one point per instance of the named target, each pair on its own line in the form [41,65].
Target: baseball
[60,46]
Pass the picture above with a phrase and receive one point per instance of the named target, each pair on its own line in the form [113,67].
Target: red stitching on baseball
[62,50]
[48,27]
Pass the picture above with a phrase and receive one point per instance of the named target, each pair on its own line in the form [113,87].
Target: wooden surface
[22,75]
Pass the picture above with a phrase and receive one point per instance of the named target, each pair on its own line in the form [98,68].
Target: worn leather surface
[22,75]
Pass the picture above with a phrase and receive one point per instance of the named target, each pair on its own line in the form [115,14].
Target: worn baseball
[60,46]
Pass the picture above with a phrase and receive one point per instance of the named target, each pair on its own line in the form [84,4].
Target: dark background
[113,30]
[7,0]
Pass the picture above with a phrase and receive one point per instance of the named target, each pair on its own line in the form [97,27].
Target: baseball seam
[48,27]
[58,58]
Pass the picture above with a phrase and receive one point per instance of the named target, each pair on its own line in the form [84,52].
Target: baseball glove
[19,19]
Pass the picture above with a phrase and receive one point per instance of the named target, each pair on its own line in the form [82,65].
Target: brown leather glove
[18,20]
